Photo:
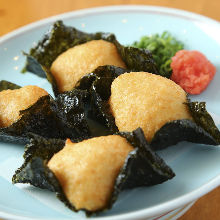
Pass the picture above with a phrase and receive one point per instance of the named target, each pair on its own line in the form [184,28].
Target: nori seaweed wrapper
[60,38]
[98,85]
[70,110]
[34,170]
[60,118]
[107,71]
[4,85]
[134,172]
[202,130]
[100,108]
[142,167]
[204,119]
[181,130]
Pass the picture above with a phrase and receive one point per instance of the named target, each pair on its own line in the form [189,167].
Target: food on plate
[192,123]
[140,99]
[88,184]
[98,81]
[61,38]
[192,71]
[90,174]
[163,47]
[82,59]
[14,101]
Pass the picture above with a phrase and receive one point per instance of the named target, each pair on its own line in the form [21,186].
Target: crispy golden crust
[13,101]
[146,100]
[87,170]
[71,65]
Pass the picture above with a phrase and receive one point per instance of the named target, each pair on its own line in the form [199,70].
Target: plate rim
[148,211]
[109,9]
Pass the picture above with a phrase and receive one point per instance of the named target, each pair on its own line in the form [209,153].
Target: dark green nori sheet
[60,118]
[4,85]
[181,130]
[34,169]
[137,59]
[100,92]
[42,147]
[143,167]
[100,108]
[202,130]
[98,85]
[37,174]
[61,37]
[70,109]
[107,71]
[204,119]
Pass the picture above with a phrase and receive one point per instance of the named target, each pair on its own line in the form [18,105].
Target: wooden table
[16,13]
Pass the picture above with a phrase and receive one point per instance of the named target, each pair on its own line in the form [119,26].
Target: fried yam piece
[140,99]
[87,170]
[13,101]
[74,63]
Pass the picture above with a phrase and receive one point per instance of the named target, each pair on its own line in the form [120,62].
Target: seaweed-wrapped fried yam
[87,170]
[124,101]
[14,101]
[90,174]
[65,54]
[31,109]
[74,63]
[146,100]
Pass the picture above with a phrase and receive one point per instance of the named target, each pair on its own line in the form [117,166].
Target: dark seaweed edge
[32,65]
[100,108]
[40,150]
[60,118]
[97,85]
[70,108]
[203,119]
[100,91]
[4,85]
[62,37]
[181,130]
[143,150]
[107,71]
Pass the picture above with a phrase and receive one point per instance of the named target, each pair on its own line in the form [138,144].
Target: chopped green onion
[163,48]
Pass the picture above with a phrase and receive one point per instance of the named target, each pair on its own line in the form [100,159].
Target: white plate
[197,167]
